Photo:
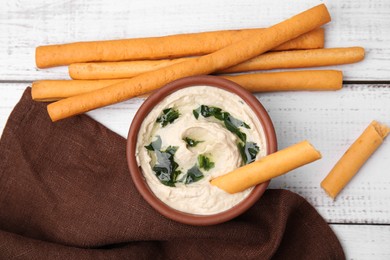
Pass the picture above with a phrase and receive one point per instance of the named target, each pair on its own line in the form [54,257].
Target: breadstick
[268,167]
[312,40]
[51,90]
[223,58]
[354,158]
[159,47]
[300,59]
[270,60]
[290,81]
[118,70]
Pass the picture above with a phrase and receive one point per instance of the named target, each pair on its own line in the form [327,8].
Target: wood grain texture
[26,24]
[364,242]
[331,121]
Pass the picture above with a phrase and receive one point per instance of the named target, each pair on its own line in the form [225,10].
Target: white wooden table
[330,120]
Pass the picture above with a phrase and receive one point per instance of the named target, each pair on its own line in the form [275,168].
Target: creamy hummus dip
[192,136]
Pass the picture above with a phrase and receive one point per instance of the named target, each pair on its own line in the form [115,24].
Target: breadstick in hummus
[354,158]
[179,45]
[223,58]
[268,167]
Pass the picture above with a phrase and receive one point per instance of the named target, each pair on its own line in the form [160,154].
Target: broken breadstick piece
[354,158]
[268,167]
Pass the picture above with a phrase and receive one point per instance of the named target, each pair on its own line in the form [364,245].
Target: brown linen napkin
[66,193]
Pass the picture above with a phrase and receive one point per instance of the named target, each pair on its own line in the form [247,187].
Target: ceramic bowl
[136,172]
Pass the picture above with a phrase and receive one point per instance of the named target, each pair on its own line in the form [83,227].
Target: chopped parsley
[155,145]
[191,142]
[248,151]
[231,123]
[205,163]
[168,116]
[193,175]
[166,169]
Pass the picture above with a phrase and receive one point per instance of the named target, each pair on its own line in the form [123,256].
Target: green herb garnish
[168,116]
[231,123]
[248,151]
[196,112]
[191,142]
[166,169]
[193,175]
[207,111]
[205,162]
[155,145]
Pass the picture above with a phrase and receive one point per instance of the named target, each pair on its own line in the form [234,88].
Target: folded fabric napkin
[66,193]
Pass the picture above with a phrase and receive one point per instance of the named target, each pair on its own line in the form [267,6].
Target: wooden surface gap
[358,224]
[365,82]
[15,81]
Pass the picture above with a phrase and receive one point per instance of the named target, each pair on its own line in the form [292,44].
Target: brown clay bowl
[136,172]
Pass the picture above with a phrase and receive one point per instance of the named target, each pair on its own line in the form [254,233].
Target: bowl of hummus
[191,131]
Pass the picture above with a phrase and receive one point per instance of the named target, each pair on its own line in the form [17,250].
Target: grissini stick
[172,46]
[267,167]
[53,90]
[223,58]
[354,158]
[300,59]
[266,61]
[118,70]
[321,80]
[290,80]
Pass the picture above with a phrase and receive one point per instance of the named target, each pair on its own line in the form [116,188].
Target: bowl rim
[136,172]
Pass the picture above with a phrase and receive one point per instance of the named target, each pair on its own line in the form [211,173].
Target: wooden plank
[27,24]
[330,120]
[364,241]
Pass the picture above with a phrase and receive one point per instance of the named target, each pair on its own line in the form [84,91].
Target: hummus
[197,147]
